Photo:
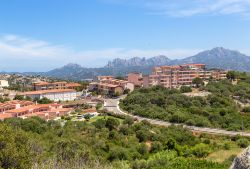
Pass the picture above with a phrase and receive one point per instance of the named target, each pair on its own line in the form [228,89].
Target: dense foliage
[107,142]
[219,109]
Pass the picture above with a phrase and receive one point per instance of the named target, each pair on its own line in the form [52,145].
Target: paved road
[113,105]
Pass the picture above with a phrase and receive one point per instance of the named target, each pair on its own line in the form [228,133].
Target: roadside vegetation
[218,110]
[107,142]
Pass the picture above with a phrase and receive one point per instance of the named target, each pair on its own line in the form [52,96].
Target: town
[124,84]
[58,94]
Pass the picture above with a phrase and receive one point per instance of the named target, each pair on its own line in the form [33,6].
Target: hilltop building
[56,85]
[55,94]
[110,86]
[179,75]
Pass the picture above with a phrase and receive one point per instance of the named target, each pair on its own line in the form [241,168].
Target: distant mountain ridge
[216,58]
[137,61]
[220,58]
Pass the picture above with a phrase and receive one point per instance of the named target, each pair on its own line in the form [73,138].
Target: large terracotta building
[54,85]
[110,86]
[179,75]
[25,109]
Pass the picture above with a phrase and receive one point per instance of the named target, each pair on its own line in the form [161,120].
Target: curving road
[113,105]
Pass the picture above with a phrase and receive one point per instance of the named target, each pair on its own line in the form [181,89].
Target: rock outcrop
[242,161]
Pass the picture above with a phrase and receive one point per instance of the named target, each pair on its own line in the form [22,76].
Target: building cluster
[108,85]
[57,91]
[176,76]
[55,94]
[25,109]
[55,85]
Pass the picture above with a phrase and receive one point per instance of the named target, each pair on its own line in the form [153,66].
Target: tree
[112,123]
[243,143]
[142,149]
[120,78]
[98,106]
[171,144]
[117,94]
[128,120]
[15,150]
[185,89]
[2,100]
[100,123]
[231,75]
[197,82]
[201,150]
[142,135]
[126,91]
[87,117]
[19,97]
[45,100]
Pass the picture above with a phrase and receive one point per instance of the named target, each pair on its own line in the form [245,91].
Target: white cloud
[186,8]
[26,54]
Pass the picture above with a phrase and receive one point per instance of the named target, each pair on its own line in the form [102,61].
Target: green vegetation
[185,89]
[197,82]
[104,143]
[4,99]
[217,110]
[44,100]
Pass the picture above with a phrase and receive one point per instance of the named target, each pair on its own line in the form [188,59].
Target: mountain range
[218,57]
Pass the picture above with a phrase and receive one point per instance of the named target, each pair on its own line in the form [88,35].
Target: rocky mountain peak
[137,61]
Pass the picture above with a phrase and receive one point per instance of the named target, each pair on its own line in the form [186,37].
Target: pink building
[136,79]
[175,76]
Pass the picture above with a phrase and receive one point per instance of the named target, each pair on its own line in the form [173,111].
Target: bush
[185,89]
[44,101]
[243,143]
[142,135]
[201,150]
[156,147]
[100,123]
[246,109]
[128,120]
[142,149]
[226,146]
[112,123]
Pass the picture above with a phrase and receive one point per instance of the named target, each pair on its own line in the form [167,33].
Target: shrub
[201,150]
[246,109]
[112,123]
[242,143]
[185,89]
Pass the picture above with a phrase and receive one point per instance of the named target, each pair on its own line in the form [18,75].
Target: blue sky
[39,35]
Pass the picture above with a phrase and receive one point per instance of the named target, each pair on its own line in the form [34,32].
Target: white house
[4,83]
[55,95]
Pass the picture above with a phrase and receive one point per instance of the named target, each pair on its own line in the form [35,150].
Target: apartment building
[179,75]
[25,109]
[110,86]
[55,85]
[55,95]
[136,79]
